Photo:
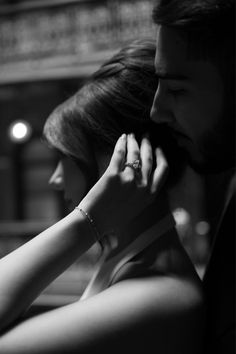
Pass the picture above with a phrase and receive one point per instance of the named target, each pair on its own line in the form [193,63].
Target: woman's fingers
[147,159]
[121,192]
[127,151]
[133,154]
[119,154]
[132,149]
[160,172]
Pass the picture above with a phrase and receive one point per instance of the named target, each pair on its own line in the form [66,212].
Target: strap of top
[107,268]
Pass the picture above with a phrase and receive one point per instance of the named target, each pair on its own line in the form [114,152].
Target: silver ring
[135,165]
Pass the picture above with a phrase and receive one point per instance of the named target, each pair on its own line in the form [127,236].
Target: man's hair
[209,27]
[209,24]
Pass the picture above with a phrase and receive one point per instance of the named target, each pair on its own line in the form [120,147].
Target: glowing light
[202,228]
[20,131]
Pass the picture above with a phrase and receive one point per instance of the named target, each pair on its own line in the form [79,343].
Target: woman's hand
[126,188]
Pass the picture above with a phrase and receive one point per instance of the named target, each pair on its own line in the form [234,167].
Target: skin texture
[190,100]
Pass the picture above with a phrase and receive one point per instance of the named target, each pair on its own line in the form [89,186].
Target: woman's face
[74,179]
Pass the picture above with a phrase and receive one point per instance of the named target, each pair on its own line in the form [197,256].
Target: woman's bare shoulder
[170,292]
[168,311]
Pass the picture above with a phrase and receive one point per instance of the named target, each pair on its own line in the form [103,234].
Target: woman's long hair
[116,99]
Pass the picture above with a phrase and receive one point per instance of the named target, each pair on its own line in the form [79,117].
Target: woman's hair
[116,99]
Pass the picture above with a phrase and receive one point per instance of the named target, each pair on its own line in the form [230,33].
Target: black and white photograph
[117,177]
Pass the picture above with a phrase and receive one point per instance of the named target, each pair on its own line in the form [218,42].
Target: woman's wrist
[90,223]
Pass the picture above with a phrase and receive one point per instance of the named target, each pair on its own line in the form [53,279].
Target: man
[195,100]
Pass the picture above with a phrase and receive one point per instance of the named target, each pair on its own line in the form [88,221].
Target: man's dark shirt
[219,284]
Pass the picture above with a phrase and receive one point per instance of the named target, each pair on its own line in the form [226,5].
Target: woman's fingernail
[123,136]
[132,135]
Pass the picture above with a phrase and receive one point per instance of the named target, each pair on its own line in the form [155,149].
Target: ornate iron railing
[67,38]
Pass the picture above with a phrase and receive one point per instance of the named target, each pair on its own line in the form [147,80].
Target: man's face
[190,100]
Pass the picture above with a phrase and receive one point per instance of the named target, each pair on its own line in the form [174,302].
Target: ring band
[135,165]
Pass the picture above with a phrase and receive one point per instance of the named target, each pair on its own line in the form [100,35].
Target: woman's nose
[57,179]
[161,111]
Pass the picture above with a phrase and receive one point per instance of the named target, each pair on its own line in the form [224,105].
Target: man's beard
[217,147]
[160,136]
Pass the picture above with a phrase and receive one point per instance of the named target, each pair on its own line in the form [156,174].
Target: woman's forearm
[114,200]
[25,272]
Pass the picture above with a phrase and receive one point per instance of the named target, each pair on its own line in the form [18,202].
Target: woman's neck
[149,217]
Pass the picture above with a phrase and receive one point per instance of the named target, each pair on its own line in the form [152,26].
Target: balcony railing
[41,40]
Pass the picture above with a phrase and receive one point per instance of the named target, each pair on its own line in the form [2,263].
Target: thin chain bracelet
[91,222]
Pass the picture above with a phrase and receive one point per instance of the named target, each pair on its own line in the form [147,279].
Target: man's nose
[161,111]
[56,180]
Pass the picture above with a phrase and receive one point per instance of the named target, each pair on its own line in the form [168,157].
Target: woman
[145,292]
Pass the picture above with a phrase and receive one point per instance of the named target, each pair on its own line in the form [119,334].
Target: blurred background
[47,50]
